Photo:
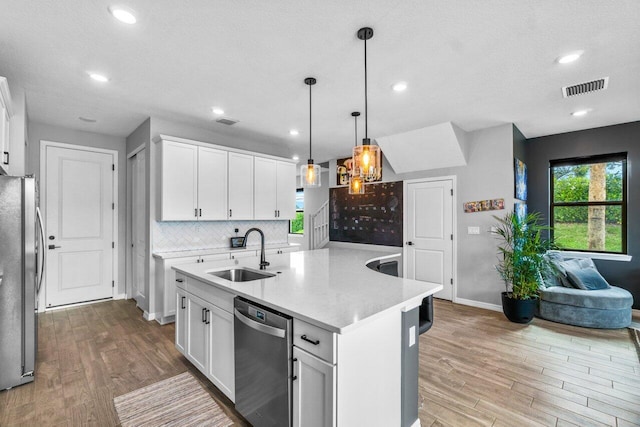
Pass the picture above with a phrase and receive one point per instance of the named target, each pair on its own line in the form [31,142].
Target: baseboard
[166,319]
[120,296]
[479,304]
[149,316]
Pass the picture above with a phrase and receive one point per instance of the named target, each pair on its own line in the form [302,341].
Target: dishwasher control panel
[258,314]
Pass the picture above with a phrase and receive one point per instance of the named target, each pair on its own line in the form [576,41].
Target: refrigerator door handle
[41,251]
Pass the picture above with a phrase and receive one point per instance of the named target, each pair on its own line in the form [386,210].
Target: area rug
[635,337]
[176,401]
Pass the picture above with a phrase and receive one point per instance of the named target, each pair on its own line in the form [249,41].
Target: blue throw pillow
[583,275]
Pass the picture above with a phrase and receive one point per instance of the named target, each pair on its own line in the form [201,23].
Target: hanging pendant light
[366,157]
[355,182]
[310,173]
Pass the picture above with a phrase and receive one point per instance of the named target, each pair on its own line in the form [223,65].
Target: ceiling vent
[227,121]
[586,87]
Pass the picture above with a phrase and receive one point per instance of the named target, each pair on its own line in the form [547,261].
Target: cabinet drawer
[317,341]
[208,293]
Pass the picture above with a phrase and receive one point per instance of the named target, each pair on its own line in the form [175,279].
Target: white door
[240,186]
[314,397]
[286,190]
[179,184]
[429,239]
[266,203]
[79,225]
[212,184]
[138,230]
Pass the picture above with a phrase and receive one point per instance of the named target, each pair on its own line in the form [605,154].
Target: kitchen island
[353,328]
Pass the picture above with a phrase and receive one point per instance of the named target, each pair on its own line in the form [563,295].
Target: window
[589,203]
[296,225]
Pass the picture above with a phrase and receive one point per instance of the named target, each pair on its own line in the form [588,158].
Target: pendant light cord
[311,157]
[366,115]
[356,129]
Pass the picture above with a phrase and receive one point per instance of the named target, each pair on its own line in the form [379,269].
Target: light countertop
[331,288]
[215,251]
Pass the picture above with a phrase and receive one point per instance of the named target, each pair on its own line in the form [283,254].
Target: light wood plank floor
[476,368]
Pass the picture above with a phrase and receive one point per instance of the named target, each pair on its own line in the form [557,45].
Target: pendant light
[366,157]
[355,182]
[310,173]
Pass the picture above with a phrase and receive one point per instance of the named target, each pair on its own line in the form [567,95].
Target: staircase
[319,223]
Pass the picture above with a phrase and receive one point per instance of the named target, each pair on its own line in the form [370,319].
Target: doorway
[79,193]
[429,243]
[136,250]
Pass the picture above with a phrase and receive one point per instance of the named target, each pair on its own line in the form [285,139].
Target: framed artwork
[520,169]
[483,205]
[343,170]
[521,211]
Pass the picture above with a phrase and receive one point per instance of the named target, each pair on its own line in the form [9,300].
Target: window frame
[588,160]
[297,210]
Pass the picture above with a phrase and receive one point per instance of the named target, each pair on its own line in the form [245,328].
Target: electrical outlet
[473,230]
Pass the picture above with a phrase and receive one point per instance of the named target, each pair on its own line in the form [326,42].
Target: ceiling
[476,64]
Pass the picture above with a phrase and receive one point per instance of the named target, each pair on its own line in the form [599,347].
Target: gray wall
[40,131]
[604,140]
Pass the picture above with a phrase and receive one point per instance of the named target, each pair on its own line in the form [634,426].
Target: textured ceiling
[474,63]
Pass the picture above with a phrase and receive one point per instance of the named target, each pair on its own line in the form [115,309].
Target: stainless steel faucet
[263,261]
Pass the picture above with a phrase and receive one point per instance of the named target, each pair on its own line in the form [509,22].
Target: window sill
[595,255]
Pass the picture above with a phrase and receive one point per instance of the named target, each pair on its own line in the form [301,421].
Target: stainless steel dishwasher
[263,364]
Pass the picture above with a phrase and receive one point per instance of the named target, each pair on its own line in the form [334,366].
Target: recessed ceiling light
[98,77]
[579,113]
[293,132]
[400,86]
[570,57]
[87,119]
[218,111]
[296,158]
[123,14]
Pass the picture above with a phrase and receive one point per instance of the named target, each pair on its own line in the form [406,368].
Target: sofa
[573,292]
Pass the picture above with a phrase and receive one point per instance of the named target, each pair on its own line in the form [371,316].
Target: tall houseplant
[521,262]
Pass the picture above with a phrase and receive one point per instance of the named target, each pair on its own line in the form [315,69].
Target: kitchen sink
[241,274]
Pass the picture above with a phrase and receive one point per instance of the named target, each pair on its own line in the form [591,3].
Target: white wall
[40,131]
[18,149]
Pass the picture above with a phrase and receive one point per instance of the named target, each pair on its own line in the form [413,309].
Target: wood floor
[476,368]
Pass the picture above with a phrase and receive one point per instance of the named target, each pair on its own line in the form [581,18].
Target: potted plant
[521,262]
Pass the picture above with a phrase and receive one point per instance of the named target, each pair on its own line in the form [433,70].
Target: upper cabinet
[193,183]
[201,182]
[275,189]
[6,111]
[240,186]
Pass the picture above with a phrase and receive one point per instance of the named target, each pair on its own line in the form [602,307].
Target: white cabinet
[314,391]
[6,111]
[240,186]
[274,189]
[193,183]
[204,332]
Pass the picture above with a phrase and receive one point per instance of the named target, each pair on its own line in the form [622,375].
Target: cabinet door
[212,184]
[314,396]
[265,188]
[240,186]
[286,182]
[197,333]
[181,321]
[179,182]
[168,285]
[221,362]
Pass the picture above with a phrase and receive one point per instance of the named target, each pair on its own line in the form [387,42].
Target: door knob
[54,247]
[52,237]
[410,243]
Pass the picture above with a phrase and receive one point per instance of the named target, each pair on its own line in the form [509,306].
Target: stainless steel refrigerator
[21,267]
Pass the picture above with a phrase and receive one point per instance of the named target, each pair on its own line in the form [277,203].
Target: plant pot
[518,310]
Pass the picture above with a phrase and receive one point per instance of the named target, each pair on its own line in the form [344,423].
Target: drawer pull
[182,303]
[179,280]
[314,342]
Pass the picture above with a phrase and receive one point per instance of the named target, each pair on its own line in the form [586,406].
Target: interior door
[429,240]
[79,225]
[138,229]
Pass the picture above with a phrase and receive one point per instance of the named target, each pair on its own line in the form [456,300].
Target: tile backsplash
[169,236]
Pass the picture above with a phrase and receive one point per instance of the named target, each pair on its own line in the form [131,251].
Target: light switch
[473,230]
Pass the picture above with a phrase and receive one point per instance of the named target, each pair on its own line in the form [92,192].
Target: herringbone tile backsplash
[169,236]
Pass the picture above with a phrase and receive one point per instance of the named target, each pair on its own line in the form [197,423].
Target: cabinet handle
[199,212]
[230,213]
[207,316]
[294,377]
[182,303]
[179,280]
[204,315]
[278,214]
[314,342]
[195,212]
[275,214]
[6,158]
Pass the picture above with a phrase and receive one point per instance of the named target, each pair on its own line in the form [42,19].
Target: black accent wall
[604,140]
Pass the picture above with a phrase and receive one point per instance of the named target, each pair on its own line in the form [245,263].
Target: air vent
[586,87]
[227,121]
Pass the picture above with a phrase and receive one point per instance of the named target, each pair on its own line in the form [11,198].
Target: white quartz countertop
[214,251]
[331,288]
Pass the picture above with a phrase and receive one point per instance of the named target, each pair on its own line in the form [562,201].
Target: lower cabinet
[314,391]
[204,334]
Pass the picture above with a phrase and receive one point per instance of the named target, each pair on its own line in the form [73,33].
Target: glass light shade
[367,162]
[310,176]
[356,185]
